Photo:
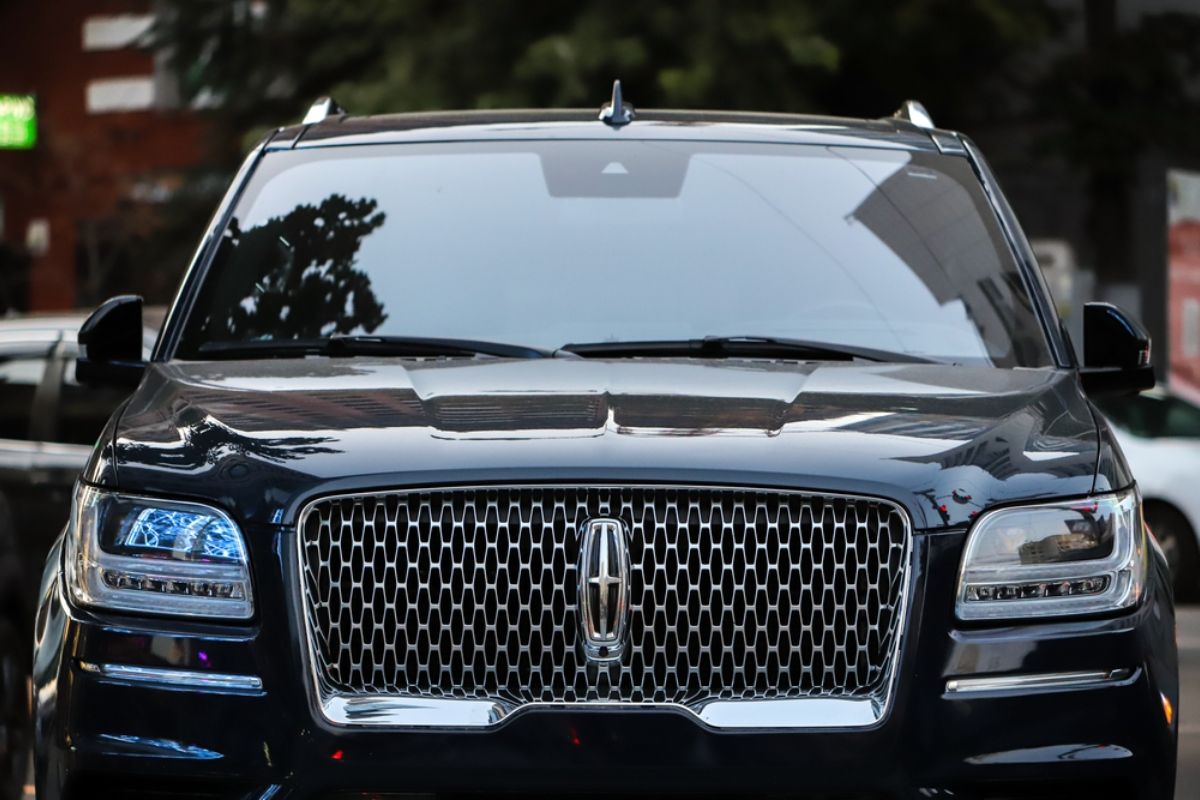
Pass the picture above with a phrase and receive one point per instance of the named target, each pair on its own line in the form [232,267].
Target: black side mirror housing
[110,344]
[1116,352]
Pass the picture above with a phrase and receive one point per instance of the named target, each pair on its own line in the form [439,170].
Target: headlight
[1048,560]
[156,557]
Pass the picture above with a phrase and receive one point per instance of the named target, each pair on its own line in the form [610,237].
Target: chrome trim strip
[410,712]
[175,678]
[401,712]
[1041,680]
[383,711]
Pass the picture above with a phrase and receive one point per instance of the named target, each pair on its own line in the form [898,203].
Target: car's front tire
[1178,541]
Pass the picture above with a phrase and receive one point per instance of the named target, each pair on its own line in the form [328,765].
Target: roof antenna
[617,112]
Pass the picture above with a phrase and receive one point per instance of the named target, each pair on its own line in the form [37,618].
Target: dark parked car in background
[49,426]
[545,453]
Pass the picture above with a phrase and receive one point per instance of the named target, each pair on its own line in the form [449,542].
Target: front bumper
[101,733]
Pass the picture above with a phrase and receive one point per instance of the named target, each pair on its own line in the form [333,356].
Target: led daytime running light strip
[1034,590]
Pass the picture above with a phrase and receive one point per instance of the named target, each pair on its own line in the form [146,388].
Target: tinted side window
[19,380]
[84,410]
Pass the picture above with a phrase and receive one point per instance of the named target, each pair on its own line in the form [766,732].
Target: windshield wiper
[369,345]
[744,346]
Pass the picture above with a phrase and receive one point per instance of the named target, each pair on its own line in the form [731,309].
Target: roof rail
[912,111]
[324,107]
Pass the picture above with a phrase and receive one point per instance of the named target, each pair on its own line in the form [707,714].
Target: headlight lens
[1047,560]
[156,557]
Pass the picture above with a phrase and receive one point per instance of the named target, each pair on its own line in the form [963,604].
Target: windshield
[548,243]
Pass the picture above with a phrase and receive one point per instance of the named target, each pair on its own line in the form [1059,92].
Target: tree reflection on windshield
[296,276]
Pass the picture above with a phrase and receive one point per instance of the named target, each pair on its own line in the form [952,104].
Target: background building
[81,211]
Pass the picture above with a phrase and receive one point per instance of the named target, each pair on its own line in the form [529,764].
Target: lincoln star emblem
[603,588]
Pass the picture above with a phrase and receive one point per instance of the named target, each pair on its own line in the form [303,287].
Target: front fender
[49,645]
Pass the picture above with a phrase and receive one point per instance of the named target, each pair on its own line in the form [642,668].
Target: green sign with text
[18,121]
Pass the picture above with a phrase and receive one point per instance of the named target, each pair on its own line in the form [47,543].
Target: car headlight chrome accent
[1053,559]
[156,557]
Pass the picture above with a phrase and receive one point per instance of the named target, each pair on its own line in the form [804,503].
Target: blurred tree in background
[260,63]
[1125,92]
[1069,82]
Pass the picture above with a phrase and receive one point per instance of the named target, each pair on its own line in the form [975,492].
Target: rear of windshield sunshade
[544,243]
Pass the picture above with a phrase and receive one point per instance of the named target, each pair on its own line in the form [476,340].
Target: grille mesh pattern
[471,593]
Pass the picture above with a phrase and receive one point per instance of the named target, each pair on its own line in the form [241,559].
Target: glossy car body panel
[1112,469]
[263,437]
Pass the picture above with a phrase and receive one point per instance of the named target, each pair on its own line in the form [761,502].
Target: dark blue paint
[261,438]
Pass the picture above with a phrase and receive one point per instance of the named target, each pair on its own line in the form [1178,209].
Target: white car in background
[1160,435]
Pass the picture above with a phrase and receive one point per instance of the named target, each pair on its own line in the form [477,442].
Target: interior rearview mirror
[1116,352]
[110,344]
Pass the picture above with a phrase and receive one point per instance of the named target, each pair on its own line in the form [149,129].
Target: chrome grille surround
[468,659]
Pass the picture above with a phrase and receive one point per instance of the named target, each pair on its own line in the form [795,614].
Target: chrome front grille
[472,594]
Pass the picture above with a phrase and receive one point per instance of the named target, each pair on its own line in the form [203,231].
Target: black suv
[670,452]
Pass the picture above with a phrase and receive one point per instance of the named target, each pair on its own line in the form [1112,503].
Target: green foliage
[969,61]
[398,55]
[1055,79]
[265,60]
[1135,89]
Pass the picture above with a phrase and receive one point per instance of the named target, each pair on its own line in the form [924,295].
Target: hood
[261,437]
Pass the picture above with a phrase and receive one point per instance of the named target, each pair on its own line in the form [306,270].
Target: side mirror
[1116,352]
[110,344]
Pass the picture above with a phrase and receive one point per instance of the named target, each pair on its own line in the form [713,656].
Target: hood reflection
[926,434]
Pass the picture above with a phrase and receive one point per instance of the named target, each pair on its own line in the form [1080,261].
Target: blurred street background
[122,121]
[1189,720]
